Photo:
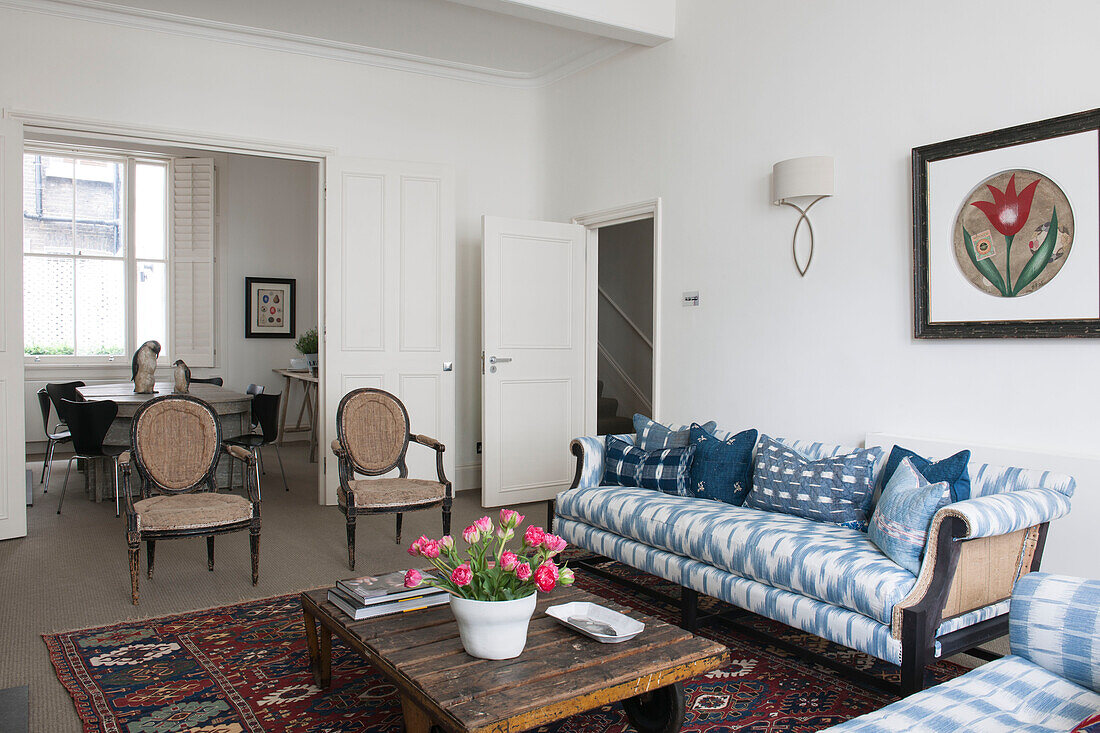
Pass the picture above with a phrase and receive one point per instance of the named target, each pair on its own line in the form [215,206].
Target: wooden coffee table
[559,674]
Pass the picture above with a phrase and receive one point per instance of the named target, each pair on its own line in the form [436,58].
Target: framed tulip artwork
[1006,232]
[268,307]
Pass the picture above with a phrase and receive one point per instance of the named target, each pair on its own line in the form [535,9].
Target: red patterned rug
[245,668]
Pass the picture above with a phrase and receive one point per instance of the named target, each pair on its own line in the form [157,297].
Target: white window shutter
[192,261]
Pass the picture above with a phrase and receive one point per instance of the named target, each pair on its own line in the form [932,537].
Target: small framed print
[1006,232]
[269,307]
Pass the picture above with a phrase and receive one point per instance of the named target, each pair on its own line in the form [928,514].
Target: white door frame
[593,221]
[214,142]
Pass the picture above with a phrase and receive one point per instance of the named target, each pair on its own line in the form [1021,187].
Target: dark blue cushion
[722,469]
[953,470]
[655,436]
[662,470]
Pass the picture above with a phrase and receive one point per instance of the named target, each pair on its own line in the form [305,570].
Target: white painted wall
[700,120]
[492,136]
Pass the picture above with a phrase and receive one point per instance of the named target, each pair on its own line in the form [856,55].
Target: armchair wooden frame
[372,428]
[200,480]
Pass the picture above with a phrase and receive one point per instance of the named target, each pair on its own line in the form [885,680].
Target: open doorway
[127,208]
[624,329]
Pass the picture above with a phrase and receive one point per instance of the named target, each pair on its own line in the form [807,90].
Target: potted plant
[492,589]
[307,347]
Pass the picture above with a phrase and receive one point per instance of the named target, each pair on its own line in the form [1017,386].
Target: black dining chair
[88,423]
[60,434]
[253,390]
[216,381]
[265,413]
[61,391]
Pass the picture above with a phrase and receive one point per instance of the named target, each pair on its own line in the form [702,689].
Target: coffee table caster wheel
[658,711]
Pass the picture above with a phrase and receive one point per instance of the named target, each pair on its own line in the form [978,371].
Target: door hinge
[483,362]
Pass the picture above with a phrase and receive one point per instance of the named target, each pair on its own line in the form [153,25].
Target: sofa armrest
[589,452]
[1055,622]
[999,514]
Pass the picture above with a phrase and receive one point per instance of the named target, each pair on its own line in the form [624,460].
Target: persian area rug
[245,668]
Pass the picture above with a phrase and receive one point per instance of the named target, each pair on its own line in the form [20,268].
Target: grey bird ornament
[145,367]
[182,376]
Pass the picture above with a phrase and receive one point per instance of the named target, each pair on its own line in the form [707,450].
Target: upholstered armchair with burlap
[175,444]
[372,428]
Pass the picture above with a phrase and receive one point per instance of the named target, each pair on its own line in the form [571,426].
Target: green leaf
[986,267]
[1041,258]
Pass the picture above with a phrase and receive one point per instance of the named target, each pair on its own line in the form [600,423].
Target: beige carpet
[71,570]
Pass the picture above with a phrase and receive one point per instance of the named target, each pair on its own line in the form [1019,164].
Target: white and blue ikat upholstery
[903,515]
[1010,694]
[997,514]
[836,489]
[1049,683]
[824,561]
[665,470]
[1054,622]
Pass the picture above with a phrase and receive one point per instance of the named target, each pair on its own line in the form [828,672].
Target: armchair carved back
[373,427]
[176,441]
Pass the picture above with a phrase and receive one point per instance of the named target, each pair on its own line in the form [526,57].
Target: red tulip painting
[1024,204]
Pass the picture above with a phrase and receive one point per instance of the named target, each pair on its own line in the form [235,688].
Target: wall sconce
[810,177]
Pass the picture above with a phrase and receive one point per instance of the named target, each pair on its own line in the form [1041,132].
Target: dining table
[234,411]
[310,396]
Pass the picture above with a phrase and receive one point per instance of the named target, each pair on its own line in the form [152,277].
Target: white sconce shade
[809,176]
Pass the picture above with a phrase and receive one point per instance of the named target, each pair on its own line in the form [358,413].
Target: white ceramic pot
[493,629]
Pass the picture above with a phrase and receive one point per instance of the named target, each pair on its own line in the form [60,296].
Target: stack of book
[379,595]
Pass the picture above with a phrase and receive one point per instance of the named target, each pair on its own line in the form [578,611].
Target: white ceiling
[446,37]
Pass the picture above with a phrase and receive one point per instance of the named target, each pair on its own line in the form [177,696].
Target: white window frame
[127,219]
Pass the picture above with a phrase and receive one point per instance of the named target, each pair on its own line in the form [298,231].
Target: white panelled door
[533,320]
[390,298]
[13,502]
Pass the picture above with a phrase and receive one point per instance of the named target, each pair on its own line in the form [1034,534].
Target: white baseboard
[467,477]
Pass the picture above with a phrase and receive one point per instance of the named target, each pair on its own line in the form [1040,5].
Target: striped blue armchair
[823,578]
[1050,682]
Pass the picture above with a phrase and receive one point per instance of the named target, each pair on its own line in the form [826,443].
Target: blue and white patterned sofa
[1049,683]
[822,578]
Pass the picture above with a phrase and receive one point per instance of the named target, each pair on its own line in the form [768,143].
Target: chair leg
[282,470]
[351,541]
[447,516]
[254,548]
[65,483]
[260,461]
[256,474]
[210,553]
[231,464]
[150,550]
[118,488]
[46,460]
[49,465]
[397,540]
[135,562]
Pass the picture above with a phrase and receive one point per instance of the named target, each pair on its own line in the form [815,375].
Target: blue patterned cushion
[903,515]
[953,470]
[662,470]
[836,489]
[655,436]
[1055,623]
[722,469]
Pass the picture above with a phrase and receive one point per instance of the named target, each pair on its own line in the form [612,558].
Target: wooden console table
[559,674]
[309,408]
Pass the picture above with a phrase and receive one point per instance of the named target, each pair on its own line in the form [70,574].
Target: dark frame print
[926,154]
[291,308]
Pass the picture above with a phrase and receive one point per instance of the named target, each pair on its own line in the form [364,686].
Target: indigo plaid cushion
[663,470]
[722,469]
[899,526]
[953,470]
[655,436]
[837,489]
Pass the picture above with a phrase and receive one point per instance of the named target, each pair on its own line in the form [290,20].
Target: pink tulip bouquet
[487,571]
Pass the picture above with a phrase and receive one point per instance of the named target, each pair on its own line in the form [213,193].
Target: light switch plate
[691,298]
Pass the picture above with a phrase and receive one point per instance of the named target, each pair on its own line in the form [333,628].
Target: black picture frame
[252,330]
[929,154]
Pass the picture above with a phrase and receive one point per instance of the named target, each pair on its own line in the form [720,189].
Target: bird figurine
[182,376]
[145,367]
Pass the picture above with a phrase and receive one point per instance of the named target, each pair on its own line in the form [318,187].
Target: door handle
[499,359]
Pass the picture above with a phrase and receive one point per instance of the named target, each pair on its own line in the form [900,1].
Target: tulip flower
[566,577]
[534,536]
[523,570]
[510,519]
[471,534]
[554,543]
[546,576]
[462,575]
[413,578]
[446,542]
[430,549]
[508,560]
[1008,211]
[484,525]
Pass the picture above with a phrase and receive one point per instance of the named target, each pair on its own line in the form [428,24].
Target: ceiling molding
[273,40]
